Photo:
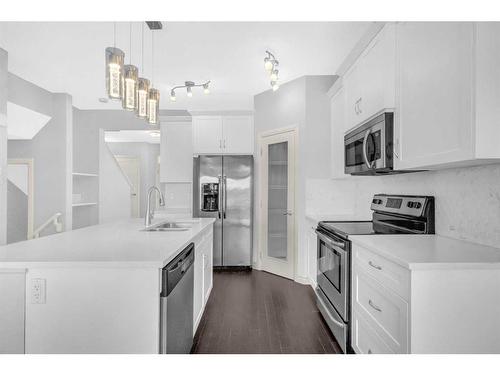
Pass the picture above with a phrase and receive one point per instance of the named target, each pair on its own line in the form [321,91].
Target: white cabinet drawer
[385,311]
[386,272]
[364,338]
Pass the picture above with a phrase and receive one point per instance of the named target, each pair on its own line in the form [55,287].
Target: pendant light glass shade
[153,106]
[130,77]
[114,71]
[141,101]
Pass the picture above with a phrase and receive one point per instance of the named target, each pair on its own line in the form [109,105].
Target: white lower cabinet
[364,339]
[207,272]
[380,310]
[384,311]
[429,309]
[12,311]
[203,275]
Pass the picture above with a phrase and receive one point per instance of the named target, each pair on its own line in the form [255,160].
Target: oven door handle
[332,318]
[338,244]
[365,154]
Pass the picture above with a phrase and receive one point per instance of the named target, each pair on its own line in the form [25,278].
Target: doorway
[20,200]
[278,227]
[132,169]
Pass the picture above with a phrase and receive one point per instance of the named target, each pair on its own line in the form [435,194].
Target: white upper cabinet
[442,81]
[207,135]
[370,82]
[237,134]
[223,134]
[176,152]
[337,127]
[435,101]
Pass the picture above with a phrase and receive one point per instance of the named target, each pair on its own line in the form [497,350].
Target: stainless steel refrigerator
[223,189]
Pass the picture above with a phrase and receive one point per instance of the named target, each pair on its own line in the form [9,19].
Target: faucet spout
[149,209]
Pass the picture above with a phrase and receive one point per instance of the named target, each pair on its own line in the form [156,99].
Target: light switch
[38,292]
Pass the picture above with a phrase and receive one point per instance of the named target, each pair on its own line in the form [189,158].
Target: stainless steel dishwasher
[176,307]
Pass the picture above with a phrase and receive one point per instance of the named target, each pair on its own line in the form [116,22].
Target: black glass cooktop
[346,228]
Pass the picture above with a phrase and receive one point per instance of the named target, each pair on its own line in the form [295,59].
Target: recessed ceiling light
[103,100]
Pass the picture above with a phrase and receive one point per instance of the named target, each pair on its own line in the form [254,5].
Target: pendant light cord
[130,29]
[142,49]
[114,34]
[152,57]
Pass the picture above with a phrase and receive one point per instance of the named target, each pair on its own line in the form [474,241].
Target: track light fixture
[188,85]
[270,64]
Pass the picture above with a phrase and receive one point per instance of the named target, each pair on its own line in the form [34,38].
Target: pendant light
[141,101]
[153,94]
[130,77]
[114,69]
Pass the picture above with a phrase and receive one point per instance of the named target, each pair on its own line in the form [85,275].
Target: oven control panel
[399,204]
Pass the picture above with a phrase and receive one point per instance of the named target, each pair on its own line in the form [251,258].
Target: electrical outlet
[38,294]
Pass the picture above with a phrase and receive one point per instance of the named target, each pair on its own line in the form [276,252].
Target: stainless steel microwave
[369,147]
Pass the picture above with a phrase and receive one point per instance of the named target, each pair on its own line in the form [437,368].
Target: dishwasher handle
[174,271]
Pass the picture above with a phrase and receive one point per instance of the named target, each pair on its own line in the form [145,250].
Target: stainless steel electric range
[392,214]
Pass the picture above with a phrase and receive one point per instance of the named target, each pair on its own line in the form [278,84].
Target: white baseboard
[302,280]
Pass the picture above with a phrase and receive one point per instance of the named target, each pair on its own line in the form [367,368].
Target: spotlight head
[189,92]
[275,85]
[206,89]
[268,64]
[172,96]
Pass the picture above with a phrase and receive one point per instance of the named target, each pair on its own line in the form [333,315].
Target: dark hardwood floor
[257,312]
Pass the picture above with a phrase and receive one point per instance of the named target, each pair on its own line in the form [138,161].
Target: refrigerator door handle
[219,204]
[225,196]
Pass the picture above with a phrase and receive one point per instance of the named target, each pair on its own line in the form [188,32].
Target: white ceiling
[69,57]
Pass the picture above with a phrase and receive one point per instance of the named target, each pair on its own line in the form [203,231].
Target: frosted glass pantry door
[278,190]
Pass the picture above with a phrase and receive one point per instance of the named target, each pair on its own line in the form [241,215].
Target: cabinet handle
[375,307]
[375,266]
[220,143]
[359,105]
[224,143]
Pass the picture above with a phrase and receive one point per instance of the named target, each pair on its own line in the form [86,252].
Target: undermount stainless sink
[169,226]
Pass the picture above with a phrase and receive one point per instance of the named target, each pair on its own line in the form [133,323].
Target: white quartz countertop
[119,244]
[430,251]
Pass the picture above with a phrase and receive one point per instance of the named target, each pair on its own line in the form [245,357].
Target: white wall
[147,154]
[3,146]
[302,103]
[114,189]
[467,199]
[51,149]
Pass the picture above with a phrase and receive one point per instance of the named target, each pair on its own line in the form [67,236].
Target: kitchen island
[96,289]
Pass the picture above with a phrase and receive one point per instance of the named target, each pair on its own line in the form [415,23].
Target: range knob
[417,205]
[377,201]
[410,204]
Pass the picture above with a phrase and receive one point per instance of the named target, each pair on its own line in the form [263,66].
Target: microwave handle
[365,156]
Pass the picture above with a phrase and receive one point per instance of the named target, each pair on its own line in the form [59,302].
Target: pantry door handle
[375,307]
[374,266]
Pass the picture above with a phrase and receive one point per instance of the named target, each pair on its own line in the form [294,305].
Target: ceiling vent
[154,25]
